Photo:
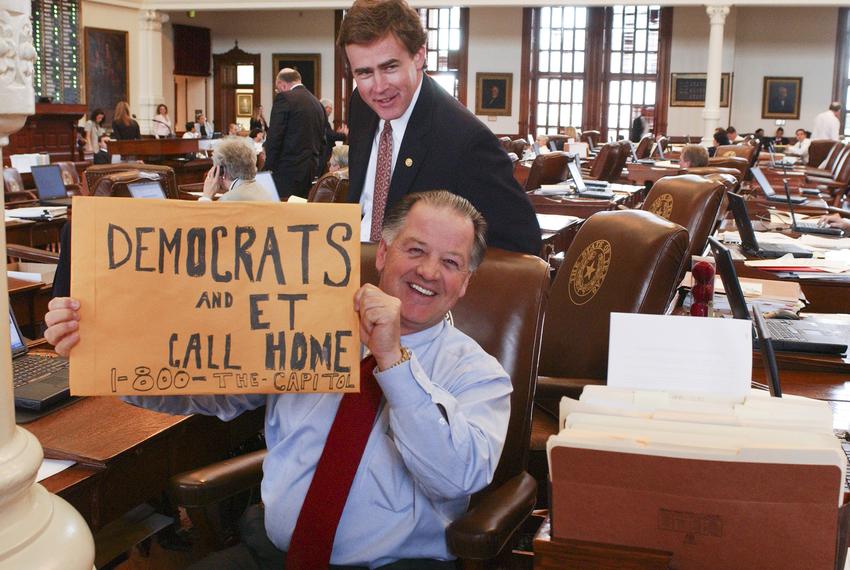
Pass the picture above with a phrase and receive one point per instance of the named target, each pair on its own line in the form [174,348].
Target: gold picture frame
[309,65]
[493,94]
[244,104]
[688,89]
[781,97]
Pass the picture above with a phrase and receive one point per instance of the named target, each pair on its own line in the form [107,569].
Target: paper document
[38,212]
[50,467]
[711,358]
[555,222]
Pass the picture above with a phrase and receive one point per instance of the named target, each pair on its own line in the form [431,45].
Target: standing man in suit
[406,134]
[640,126]
[296,136]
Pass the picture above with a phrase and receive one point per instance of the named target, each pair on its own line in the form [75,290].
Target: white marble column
[149,92]
[711,113]
[37,529]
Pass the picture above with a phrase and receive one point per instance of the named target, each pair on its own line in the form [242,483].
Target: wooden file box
[710,514]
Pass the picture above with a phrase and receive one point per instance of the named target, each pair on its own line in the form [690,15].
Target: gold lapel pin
[408,162]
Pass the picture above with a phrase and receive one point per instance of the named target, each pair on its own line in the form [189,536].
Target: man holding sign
[374,478]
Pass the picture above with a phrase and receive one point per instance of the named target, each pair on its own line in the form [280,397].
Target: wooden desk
[28,300]
[643,174]
[40,234]
[154,147]
[573,206]
[127,454]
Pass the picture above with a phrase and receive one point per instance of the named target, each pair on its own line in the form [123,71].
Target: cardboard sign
[214,298]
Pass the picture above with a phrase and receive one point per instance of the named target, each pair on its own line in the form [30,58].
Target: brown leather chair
[506,143]
[548,168]
[331,187]
[518,147]
[592,138]
[94,173]
[741,150]
[625,152]
[559,140]
[836,184]
[13,188]
[503,311]
[821,150]
[70,177]
[691,201]
[726,173]
[603,165]
[737,162]
[644,147]
[627,261]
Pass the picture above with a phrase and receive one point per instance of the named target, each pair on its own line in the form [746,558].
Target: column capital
[717,14]
[152,20]
[17,58]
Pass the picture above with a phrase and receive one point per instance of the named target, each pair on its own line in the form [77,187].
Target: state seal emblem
[589,271]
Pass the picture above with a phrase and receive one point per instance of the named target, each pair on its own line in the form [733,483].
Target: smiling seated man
[443,406]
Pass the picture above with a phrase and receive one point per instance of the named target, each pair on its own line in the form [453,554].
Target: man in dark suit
[331,136]
[102,154]
[432,142]
[296,136]
[780,101]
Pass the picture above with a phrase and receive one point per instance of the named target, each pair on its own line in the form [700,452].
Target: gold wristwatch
[405,356]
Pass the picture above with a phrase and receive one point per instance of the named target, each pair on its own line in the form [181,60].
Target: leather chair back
[12,181]
[822,149]
[331,187]
[738,163]
[837,161]
[644,147]
[691,201]
[547,169]
[70,176]
[591,137]
[742,150]
[506,143]
[115,184]
[518,147]
[664,143]
[625,152]
[626,261]
[726,176]
[94,173]
[603,164]
[559,140]
[503,312]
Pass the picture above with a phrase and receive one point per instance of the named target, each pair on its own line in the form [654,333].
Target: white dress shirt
[826,126]
[399,127]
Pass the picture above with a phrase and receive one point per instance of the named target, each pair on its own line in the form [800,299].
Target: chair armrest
[31,253]
[484,530]
[213,483]
[549,387]
[821,180]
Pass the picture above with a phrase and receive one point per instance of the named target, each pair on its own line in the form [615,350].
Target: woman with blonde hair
[124,127]
[258,121]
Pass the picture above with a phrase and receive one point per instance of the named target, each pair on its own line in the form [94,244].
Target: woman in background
[124,127]
[94,128]
[162,128]
[258,121]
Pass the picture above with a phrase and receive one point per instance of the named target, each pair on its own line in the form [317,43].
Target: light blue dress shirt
[437,440]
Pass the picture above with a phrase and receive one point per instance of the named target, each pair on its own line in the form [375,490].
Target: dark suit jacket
[295,141]
[101,157]
[446,147]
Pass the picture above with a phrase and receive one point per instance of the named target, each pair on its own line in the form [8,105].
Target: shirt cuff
[204,199]
[405,384]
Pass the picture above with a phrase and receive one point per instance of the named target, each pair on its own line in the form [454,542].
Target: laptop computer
[599,188]
[785,334]
[748,236]
[48,183]
[769,193]
[39,381]
[807,227]
[150,189]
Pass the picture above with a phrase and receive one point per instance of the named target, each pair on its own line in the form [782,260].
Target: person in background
[640,126]
[162,126]
[94,128]
[233,130]
[339,158]
[234,174]
[779,137]
[258,137]
[693,156]
[732,135]
[720,139]
[801,146]
[296,136]
[331,136]
[124,127]
[543,144]
[102,154]
[191,131]
[835,221]
[203,127]
[570,133]
[258,121]
[827,124]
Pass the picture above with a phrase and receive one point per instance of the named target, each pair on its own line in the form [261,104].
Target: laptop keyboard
[813,228]
[779,329]
[32,366]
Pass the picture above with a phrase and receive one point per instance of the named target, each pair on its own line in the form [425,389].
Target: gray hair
[397,216]
[340,155]
[327,103]
[238,156]
[835,106]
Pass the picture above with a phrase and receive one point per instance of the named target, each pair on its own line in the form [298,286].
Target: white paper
[38,212]
[50,467]
[555,222]
[694,356]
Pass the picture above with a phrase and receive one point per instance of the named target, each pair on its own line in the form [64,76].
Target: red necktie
[313,537]
[383,175]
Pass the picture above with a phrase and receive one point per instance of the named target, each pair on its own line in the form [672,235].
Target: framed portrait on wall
[106,69]
[309,65]
[493,93]
[244,104]
[781,97]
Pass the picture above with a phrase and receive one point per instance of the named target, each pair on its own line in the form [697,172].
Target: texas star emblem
[662,206]
[589,271]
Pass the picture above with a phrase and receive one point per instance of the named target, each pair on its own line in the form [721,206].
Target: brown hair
[370,20]
[696,155]
[122,113]
[440,199]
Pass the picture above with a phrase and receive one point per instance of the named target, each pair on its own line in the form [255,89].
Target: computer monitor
[149,189]
[48,182]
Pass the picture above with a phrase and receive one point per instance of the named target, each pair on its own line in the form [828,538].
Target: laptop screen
[726,269]
[742,221]
[151,189]
[18,346]
[575,173]
[48,182]
[265,180]
[761,179]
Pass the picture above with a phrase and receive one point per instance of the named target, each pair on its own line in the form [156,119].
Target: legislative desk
[125,455]
[168,152]
[573,205]
[28,300]
[648,174]
[41,234]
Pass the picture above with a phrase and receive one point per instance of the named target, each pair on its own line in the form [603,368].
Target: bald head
[286,79]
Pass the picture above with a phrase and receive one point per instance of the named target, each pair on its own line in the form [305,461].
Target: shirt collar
[423,337]
[400,125]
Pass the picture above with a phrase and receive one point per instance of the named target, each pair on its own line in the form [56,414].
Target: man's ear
[381,256]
